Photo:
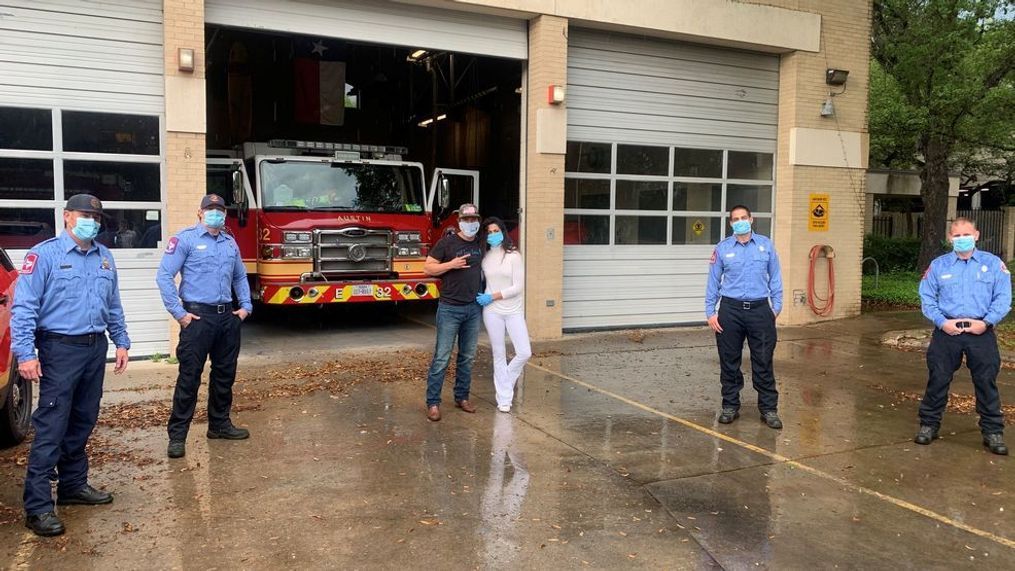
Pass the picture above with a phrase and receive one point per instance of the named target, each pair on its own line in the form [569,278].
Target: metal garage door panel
[147,320]
[642,91]
[379,22]
[107,59]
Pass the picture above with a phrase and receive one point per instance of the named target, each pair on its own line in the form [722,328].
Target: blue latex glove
[484,299]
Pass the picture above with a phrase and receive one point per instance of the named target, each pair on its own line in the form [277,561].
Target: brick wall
[185,152]
[544,192]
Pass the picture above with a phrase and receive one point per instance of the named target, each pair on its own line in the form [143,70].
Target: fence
[990,223]
[897,224]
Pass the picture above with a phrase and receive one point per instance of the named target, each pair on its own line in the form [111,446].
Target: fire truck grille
[352,251]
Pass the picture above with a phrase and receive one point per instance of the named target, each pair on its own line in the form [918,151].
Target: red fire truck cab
[333,223]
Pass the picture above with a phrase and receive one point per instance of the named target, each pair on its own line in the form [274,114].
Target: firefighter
[211,269]
[965,293]
[745,281]
[67,298]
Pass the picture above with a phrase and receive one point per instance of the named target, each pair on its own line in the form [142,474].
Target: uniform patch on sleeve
[171,246]
[926,273]
[715,254]
[1004,268]
[28,266]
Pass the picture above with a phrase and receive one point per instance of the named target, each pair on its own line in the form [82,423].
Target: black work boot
[229,432]
[46,524]
[770,418]
[728,415]
[177,449]
[86,496]
[995,442]
[926,435]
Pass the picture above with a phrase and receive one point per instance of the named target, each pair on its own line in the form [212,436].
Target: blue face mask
[470,229]
[741,227]
[495,239]
[963,244]
[86,228]
[214,218]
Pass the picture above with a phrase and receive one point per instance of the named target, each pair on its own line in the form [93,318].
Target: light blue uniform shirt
[745,272]
[211,269]
[977,288]
[62,289]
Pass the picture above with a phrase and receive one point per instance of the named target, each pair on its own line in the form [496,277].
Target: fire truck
[321,222]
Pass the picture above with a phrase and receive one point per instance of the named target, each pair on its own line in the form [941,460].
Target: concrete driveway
[610,458]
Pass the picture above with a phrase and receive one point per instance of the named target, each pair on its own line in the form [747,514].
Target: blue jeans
[460,321]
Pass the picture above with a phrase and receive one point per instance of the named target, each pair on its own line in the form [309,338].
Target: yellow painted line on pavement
[779,458]
[788,461]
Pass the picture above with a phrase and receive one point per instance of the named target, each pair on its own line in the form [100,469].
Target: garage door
[81,110]
[663,137]
[379,22]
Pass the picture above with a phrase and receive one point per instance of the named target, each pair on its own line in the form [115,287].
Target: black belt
[744,303]
[219,308]
[86,339]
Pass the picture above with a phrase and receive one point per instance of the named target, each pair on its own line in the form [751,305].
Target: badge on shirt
[171,246]
[105,263]
[761,248]
[28,266]
[983,269]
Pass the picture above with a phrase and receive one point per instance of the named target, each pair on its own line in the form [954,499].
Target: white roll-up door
[379,22]
[87,77]
[663,137]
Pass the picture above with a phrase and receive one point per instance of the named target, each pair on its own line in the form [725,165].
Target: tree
[942,92]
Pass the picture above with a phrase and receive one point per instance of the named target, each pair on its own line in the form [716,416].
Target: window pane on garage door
[585,230]
[642,160]
[699,163]
[756,197]
[588,157]
[697,230]
[641,195]
[640,230]
[697,196]
[586,193]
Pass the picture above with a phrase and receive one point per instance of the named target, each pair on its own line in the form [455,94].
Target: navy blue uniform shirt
[63,289]
[744,271]
[977,288]
[211,269]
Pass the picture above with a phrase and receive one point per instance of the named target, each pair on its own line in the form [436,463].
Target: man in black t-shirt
[457,259]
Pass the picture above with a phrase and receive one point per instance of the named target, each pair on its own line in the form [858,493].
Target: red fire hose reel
[821,306]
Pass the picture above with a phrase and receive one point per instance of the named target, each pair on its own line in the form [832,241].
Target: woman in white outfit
[503,306]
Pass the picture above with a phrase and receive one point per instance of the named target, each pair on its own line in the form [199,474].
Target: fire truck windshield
[321,185]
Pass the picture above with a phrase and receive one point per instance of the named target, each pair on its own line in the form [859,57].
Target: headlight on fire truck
[296,237]
[414,251]
[296,252]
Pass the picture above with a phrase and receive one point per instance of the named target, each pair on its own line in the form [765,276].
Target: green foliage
[944,69]
[156,357]
[892,254]
[899,289]
[173,361]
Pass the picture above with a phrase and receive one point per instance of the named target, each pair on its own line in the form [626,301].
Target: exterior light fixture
[417,55]
[186,58]
[555,94]
[836,76]
[427,122]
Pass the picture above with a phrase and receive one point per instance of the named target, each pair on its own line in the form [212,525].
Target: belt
[745,303]
[195,307]
[86,339]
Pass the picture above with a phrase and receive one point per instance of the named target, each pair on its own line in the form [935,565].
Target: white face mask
[470,229]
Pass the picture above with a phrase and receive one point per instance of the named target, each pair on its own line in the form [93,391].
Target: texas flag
[320,88]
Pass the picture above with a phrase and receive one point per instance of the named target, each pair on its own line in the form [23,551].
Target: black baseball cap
[84,203]
[212,201]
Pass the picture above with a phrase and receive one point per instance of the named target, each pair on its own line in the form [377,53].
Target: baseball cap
[212,201]
[84,203]
[468,210]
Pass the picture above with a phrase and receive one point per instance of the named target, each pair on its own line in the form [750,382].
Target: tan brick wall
[544,179]
[845,32]
[185,152]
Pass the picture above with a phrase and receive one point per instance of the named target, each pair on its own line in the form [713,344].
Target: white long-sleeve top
[505,273]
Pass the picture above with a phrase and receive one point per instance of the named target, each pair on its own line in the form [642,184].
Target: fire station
[610,136]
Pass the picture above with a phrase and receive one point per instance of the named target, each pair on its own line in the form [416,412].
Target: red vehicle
[334,223]
[15,392]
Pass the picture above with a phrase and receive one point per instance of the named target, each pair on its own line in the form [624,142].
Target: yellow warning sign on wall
[698,227]
[819,212]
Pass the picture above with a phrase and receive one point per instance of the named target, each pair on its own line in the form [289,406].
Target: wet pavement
[610,458]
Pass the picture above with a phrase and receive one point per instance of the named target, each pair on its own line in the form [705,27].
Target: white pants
[506,374]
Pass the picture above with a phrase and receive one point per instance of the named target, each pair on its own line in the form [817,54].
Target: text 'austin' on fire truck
[331,223]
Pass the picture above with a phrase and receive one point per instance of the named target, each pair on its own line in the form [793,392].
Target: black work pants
[757,325]
[944,357]
[215,335]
